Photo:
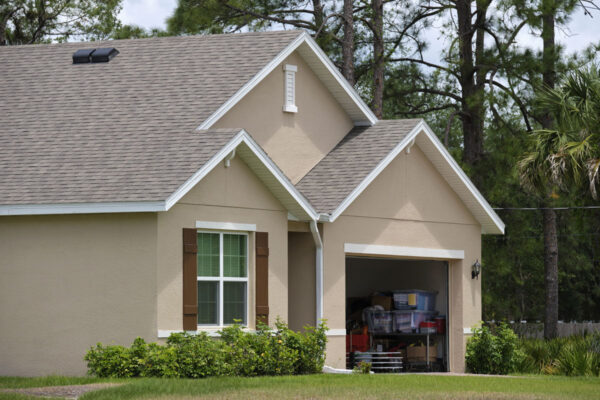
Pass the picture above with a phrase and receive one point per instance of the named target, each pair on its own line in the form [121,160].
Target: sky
[581,31]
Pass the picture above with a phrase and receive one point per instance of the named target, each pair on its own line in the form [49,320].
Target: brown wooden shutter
[190,286]
[262,277]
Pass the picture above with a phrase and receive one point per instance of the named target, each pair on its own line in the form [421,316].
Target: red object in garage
[359,342]
[440,323]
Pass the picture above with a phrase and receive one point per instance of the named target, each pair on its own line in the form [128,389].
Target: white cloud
[147,13]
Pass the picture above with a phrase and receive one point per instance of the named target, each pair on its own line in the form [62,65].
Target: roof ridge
[155,38]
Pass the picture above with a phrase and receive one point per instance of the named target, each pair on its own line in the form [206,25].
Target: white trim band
[83,208]
[336,332]
[226,226]
[401,251]
[467,331]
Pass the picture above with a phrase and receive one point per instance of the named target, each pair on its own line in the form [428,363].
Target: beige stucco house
[192,181]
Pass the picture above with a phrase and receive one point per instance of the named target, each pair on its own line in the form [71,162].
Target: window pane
[208,295]
[208,254]
[234,297]
[234,256]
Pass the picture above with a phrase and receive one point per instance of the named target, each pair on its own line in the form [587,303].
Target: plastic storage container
[357,343]
[409,321]
[380,321]
[427,327]
[414,299]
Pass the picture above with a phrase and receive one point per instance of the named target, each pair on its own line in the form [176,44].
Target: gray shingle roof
[342,170]
[123,130]
[96,166]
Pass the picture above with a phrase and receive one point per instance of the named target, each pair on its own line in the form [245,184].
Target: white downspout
[319,268]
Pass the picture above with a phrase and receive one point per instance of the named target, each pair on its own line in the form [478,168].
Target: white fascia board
[371,118]
[465,179]
[206,168]
[420,127]
[279,175]
[242,137]
[374,173]
[304,37]
[401,251]
[83,208]
[225,226]
[256,79]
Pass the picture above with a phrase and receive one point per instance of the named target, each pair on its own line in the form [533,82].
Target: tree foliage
[39,21]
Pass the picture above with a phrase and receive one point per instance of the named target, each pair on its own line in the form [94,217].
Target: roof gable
[179,158]
[347,170]
[322,66]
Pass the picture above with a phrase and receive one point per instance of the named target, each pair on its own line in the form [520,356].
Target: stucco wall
[70,281]
[411,205]
[295,141]
[302,278]
[231,194]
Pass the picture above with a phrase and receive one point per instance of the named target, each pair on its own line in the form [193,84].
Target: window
[222,278]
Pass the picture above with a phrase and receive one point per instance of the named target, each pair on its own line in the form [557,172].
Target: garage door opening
[397,314]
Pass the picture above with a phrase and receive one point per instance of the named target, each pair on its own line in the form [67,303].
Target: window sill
[212,331]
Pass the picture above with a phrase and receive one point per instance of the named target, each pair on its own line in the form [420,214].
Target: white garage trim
[401,251]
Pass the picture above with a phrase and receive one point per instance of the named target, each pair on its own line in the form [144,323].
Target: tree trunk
[2,33]
[550,230]
[378,64]
[551,271]
[319,17]
[348,42]
[471,105]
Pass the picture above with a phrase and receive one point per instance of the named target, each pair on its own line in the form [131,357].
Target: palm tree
[569,154]
[561,158]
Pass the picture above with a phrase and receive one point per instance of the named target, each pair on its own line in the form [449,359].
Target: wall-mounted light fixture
[476,270]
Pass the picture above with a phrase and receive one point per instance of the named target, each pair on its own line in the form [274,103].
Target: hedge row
[237,353]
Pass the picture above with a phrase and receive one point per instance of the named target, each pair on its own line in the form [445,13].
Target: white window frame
[289,88]
[222,279]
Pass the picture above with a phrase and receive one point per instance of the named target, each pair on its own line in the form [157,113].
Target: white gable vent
[290,88]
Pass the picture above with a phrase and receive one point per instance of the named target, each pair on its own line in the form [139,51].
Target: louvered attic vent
[85,56]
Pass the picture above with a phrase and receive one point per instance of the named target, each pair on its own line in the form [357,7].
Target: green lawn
[408,386]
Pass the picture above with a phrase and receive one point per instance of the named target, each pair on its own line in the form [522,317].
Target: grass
[52,380]
[408,386]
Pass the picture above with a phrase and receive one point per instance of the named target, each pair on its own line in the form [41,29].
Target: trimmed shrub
[198,355]
[493,352]
[111,361]
[238,353]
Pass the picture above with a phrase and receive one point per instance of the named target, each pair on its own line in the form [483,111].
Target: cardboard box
[419,353]
[386,302]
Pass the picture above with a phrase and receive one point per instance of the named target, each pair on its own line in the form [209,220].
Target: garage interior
[397,314]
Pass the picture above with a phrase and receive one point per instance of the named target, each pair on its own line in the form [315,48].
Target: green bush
[111,361]
[197,355]
[238,353]
[575,355]
[493,352]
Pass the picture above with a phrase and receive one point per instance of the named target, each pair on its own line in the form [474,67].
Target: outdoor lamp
[476,270]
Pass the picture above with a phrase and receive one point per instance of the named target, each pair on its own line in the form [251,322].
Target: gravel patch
[66,392]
